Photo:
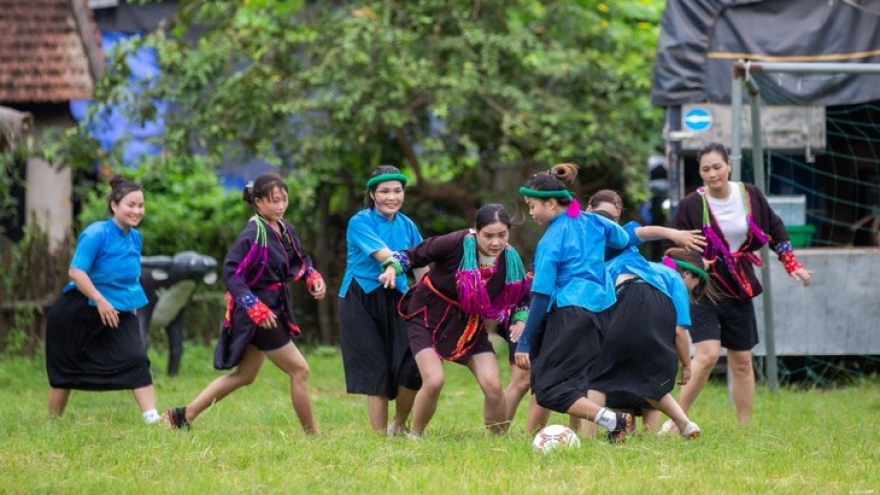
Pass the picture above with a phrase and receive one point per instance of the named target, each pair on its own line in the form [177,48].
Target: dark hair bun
[116,180]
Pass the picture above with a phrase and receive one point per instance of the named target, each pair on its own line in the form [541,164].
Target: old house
[50,54]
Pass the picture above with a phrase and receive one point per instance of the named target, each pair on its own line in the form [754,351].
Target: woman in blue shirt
[646,332]
[375,348]
[93,340]
[570,289]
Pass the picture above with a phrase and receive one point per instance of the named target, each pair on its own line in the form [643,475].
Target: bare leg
[701,367]
[743,383]
[431,369]
[584,408]
[651,419]
[515,391]
[292,362]
[244,374]
[484,366]
[145,398]
[670,407]
[538,416]
[58,398]
[589,428]
[377,409]
[403,407]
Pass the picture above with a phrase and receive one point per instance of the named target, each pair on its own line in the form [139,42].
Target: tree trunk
[322,263]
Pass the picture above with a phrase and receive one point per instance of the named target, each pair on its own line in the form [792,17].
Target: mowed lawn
[800,443]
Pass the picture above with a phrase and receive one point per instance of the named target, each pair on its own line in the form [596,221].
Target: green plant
[11,179]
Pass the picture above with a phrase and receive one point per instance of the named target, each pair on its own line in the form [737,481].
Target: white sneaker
[669,428]
[691,431]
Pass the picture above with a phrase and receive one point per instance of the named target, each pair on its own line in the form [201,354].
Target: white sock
[606,419]
[151,416]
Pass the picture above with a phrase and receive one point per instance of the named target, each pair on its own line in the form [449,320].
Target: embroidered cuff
[248,300]
[790,261]
[521,314]
[782,248]
[259,312]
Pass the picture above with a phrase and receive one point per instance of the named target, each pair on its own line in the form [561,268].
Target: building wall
[838,314]
[48,199]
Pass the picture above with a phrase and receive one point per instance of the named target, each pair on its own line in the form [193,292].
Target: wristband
[399,260]
[392,262]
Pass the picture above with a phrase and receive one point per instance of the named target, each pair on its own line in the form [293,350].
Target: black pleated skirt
[638,355]
[376,354]
[84,354]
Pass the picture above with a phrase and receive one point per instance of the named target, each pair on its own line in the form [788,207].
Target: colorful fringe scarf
[257,256]
[473,298]
[716,247]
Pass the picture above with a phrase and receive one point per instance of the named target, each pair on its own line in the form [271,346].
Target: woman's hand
[270,322]
[109,316]
[522,360]
[690,239]
[319,289]
[802,275]
[516,330]
[685,375]
[388,279]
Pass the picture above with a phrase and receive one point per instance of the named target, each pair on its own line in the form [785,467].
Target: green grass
[799,443]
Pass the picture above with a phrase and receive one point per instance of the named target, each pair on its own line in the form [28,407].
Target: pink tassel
[670,263]
[574,209]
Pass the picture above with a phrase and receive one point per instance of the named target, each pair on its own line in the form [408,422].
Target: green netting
[840,189]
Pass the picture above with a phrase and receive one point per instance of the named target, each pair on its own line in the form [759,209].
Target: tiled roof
[49,50]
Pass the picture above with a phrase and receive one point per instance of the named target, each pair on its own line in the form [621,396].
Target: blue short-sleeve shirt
[674,288]
[570,261]
[111,257]
[369,231]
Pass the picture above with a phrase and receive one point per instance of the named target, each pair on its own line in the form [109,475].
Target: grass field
[800,443]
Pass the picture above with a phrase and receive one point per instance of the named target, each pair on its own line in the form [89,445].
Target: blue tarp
[142,139]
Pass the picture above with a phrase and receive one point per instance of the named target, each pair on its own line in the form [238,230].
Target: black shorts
[562,356]
[618,399]
[504,332]
[732,321]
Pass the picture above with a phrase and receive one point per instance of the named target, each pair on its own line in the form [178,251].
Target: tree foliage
[186,208]
[468,97]
[453,90]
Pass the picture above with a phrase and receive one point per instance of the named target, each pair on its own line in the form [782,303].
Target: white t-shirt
[730,213]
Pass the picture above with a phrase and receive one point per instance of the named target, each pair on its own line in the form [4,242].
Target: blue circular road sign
[697,119]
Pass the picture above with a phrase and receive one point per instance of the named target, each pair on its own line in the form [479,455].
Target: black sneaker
[177,418]
[624,425]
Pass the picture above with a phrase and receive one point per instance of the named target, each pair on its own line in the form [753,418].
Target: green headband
[386,177]
[687,266]
[559,193]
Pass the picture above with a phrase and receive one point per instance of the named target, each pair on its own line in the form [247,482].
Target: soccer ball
[554,436]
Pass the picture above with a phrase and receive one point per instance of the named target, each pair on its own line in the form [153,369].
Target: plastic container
[791,209]
[800,235]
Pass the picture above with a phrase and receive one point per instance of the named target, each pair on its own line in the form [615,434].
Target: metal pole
[760,181]
[673,160]
[736,98]
[810,68]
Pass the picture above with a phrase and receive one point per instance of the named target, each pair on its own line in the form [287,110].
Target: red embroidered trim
[259,312]
[790,261]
